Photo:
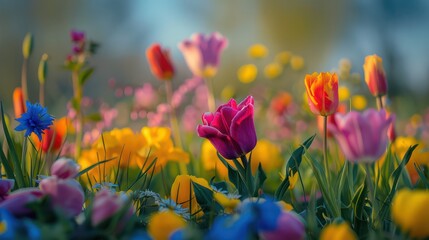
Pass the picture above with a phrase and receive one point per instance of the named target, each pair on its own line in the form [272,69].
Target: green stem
[77,91]
[325,148]
[42,94]
[380,102]
[24,161]
[210,96]
[174,124]
[371,193]
[24,79]
[243,159]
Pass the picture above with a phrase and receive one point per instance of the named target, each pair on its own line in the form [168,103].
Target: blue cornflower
[35,120]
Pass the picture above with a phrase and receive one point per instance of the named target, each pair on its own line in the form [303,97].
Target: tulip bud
[66,194]
[43,69]
[375,77]
[160,62]
[17,202]
[27,45]
[65,168]
[18,102]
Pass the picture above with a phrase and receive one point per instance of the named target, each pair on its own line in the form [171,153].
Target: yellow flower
[268,154]
[227,93]
[285,206]
[211,161]
[284,57]
[343,93]
[160,147]
[340,231]
[359,102]
[162,224]
[297,62]
[410,211]
[182,192]
[229,204]
[257,51]
[247,73]
[420,157]
[273,70]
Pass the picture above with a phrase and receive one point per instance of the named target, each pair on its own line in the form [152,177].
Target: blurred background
[322,32]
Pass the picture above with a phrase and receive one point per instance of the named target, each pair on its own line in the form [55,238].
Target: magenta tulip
[230,129]
[202,53]
[66,194]
[362,136]
[16,203]
[65,168]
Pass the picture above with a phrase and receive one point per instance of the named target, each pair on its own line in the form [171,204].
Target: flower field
[328,159]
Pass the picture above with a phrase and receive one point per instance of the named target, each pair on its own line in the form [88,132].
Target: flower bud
[64,168]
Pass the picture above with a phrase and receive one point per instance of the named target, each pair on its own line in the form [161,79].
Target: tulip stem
[325,147]
[380,102]
[174,123]
[42,94]
[371,192]
[243,159]
[210,95]
[24,80]
[77,104]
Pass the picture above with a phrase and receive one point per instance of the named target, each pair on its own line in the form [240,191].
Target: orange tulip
[375,77]
[18,102]
[322,93]
[160,62]
[53,137]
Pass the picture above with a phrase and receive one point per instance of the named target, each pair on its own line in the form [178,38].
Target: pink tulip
[65,168]
[66,194]
[230,129]
[361,136]
[289,226]
[16,202]
[106,204]
[5,186]
[202,53]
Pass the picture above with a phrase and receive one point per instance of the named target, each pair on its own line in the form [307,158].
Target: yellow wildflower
[227,93]
[359,102]
[410,211]
[247,73]
[343,93]
[257,51]
[284,57]
[162,224]
[340,231]
[273,70]
[297,62]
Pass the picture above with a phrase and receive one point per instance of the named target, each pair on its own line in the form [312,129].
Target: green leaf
[84,75]
[92,166]
[260,178]
[27,45]
[422,176]
[5,162]
[205,198]
[19,177]
[292,167]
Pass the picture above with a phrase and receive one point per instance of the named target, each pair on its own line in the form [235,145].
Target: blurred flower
[264,213]
[391,132]
[66,194]
[211,161]
[145,97]
[65,168]
[5,186]
[53,137]
[342,108]
[340,231]
[419,156]
[283,57]
[289,226]
[375,76]
[410,211]
[34,120]
[107,204]
[267,154]
[228,92]
[343,93]
[230,227]
[257,51]
[202,53]
[273,70]
[247,73]
[297,62]
[162,224]
[17,202]
[182,192]
[231,128]
[228,201]
[160,62]
[281,102]
[361,136]
[78,39]
[12,228]
[171,205]
[359,102]
[322,93]
[18,102]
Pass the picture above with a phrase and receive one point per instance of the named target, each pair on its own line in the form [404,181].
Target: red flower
[375,77]
[322,92]
[160,62]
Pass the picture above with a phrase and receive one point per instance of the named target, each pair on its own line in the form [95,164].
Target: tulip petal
[223,143]
[248,100]
[243,129]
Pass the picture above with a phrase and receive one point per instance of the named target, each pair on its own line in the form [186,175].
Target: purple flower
[361,136]
[289,226]
[65,168]
[77,36]
[16,203]
[66,194]
[202,53]
[230,129]
[5,186]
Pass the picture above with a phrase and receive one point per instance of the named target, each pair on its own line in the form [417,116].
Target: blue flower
[12,228]
[35,120]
